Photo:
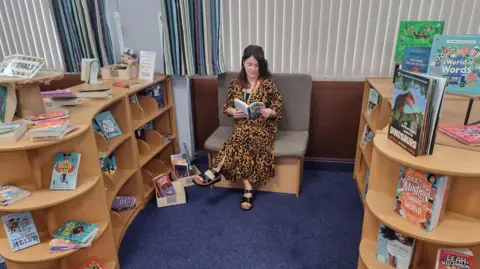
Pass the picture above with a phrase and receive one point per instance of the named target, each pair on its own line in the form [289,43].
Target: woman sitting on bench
[248,154]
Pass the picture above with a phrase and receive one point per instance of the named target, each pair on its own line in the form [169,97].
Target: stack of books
[11,132]
[10,194]
[49,126]
[124,203]
[56,98]
[73,235]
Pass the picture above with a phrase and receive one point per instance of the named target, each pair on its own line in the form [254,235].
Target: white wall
[140,31]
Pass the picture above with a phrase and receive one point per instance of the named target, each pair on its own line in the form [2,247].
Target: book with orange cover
[93,263]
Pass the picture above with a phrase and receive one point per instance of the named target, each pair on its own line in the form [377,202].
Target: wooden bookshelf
[461,222]
[29,165]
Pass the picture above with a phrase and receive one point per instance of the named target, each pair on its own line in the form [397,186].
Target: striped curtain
[83,32]
[192,37]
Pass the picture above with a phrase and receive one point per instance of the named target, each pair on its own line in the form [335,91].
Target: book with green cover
[416,34]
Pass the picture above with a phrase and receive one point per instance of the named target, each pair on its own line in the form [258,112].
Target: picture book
[367,178]
[10,194]
[252,110]
[467,134]
[454,258]
[76,231]
[415,34]
[368,135]
[457,58]
[65,171]
[108,164]
[373,100]
[20,229]
[93,263]
[3,101]
[12,131]
[96,127]
[421,197]
[164,186]
[394,248]
[122,203]
[48,116]
[416,104]
[108,125]
[180,165]
[416,59]
[156,92]
[52,127]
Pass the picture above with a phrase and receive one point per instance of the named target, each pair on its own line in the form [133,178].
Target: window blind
[333,39]
[28,27]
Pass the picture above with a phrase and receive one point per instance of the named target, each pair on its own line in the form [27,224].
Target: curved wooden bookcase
[461,223]
[28,165]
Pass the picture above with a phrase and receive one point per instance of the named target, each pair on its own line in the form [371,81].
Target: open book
[251,111]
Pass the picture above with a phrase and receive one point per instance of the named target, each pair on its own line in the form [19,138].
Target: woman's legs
[247,202]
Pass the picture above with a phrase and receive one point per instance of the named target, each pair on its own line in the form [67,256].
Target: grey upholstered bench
[292,139]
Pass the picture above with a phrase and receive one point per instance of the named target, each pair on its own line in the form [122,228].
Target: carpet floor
[320,229]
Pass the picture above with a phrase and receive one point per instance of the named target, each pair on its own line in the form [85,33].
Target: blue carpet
[320,229]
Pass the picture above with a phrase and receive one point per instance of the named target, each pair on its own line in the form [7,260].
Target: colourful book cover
[416,59]
[108,125]
[93,263]
[3,102]
[454,258]
[457,58]
[48,116]
[421,197]
[156,92]
[20,229]
[394,248]
[49,126]
[367,179]
[467,134]
[77,231]
[164,185]
[108,164]
[415,34]
[373,100]
[65,171]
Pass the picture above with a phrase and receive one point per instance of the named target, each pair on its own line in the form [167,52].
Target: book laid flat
[421,197]
[65,171]
[10,194]
[20,229]
[467,134]
[416,104]
[394,248]
[252,110]
[77,231]
[123,203]
[12,131]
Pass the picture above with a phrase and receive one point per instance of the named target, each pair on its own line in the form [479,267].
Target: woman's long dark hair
[259,55]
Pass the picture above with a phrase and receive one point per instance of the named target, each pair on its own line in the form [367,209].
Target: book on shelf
[55,136]
[108,125]
[252,110]
[416,59]
[394,248]
[126,84]
[93,263]
[367,179]
[454,258]
[373,100]
[77,231]
[20,229]
[53,127]
[10,194]
[133,98]
[466,134]
[367,135]
[65,171]
[421,197]
[108,164]
[180,165]
[8,103]
[156,92]
[95,94]
[58,93]
[62,101]
[12,131]
[416,105]
[55,115]
[123,203]
[90,70]
[163,185]
[457,58]
[59,244]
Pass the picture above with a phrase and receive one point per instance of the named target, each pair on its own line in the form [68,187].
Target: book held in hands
[252,110]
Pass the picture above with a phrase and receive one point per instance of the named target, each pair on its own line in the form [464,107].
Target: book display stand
[383,158]
[28,165]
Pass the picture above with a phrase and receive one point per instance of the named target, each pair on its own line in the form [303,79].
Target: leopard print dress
[249,152]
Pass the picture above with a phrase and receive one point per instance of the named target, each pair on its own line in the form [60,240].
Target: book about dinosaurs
[416,34]
[421,197]
[457,58]
[416,104]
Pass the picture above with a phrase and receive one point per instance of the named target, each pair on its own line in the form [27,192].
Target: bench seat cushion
[288,143]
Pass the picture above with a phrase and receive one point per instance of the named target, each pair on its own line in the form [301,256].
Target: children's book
[51,127]
[12,131]
[368,135]
[93,263]
[122,203]
[77,231]
[367,178]
[65,171]
[108,164]
[416,34]
[108,125]
[454,258]
[457,58]
[467,134]
[416,104]
[252,110]
[10,194]
[156,92]
[421,197]
[47,116]
[394,248]
[373,100]
[164,186]
[20,229]
[416,59]
[3,102]
[180,165]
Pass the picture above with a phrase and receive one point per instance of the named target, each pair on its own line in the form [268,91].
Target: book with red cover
[467,134]
[454,258]
[93,263]
[164,186]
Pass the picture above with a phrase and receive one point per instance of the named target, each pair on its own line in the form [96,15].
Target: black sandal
[206,180]
[248,200]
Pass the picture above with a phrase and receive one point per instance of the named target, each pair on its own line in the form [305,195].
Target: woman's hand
[267,113]
[235,113]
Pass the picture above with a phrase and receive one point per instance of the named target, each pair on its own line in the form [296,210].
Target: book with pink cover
[466,134]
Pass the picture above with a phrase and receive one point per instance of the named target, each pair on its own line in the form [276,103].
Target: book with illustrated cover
[122,203]
[12,131]
[10,194]
[467,134]
[367,179]
[108,164]
[252,110]
[156,92]
[454,258]
[93,263]
[416,59]
[421,197]
[394,248]
[77,231]
[180,165]
[457,59]
[20,229]
[415,34]
[367,135]
[164,186]
[52,127]
[416,104]
[108,125]
[373,100]
[47,116]
[65,171]
[3,102]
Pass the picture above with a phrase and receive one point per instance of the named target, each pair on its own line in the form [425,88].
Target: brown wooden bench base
[288,179]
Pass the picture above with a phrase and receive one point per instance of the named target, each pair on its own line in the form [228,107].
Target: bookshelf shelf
[383,158]
[146,156]
[150,116]
[46,198]
[40,252]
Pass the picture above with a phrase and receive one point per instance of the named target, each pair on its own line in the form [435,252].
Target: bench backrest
[296,90]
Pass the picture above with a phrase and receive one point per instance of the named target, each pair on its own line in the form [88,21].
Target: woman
[248,153]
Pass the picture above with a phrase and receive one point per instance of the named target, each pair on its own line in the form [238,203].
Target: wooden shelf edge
[360,186]
[139,123]
[144,159]
[115,142]
[368,255]
[118,180]
[128,218]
